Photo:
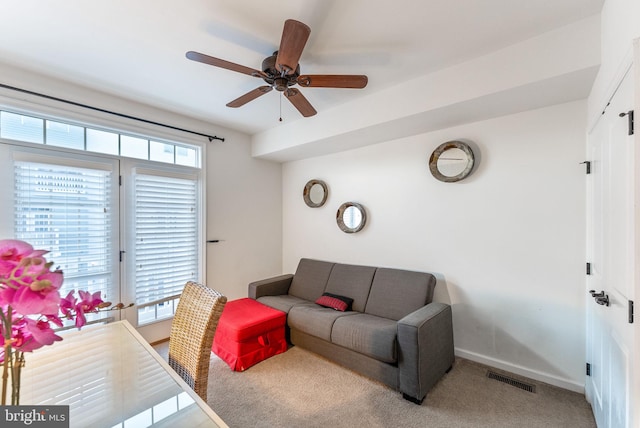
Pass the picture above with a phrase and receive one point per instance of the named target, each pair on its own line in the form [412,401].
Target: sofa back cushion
[396,293]
[351,281]
[310,279]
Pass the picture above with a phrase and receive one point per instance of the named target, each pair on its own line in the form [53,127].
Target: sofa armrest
[270,287]
[425,349]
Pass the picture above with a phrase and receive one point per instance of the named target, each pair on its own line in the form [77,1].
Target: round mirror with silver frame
[315,193]
[351,217]
[451,161]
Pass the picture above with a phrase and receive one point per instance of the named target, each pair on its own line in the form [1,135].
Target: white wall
[244,211]
[506,244]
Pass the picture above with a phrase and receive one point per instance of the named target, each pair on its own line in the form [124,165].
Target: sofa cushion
[336,302]
[367,334]
[314,319]
[282,303]
[310,279]
[351,281]
[396,293]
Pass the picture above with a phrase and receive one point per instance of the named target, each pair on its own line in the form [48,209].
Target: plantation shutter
[166,237]
[66,210]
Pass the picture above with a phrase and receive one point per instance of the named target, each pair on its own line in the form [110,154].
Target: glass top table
[111,377]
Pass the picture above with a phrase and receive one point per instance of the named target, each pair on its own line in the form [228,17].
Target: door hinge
[588,369]
[119,180]
[588,164]
[630,311]
[121,254]
[588,268]
[629,115]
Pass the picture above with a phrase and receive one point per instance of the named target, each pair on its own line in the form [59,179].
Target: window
[67,210]
[134,147]
[64,135]
[22,128]
[68,180]
[102,142]
[166,234]
[29,129]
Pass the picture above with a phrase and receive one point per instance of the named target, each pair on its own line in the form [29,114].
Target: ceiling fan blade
[333,81]
[217,62]
[300,102]
[294,36]
[249,96]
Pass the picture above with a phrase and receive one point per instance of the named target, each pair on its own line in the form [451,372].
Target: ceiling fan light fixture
[280,84]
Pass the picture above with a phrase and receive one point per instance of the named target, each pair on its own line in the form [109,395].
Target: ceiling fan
[281,71]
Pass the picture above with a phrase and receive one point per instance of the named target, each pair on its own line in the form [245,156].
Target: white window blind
[166,242]
[66,210]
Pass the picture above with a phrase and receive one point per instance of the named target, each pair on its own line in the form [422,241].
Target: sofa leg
[414,400]
[449,369]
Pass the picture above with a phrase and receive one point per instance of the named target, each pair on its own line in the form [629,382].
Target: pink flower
[28,334]
[34,334]
[14,250]
[54,319]
[32,295]
[88,303]
[11,252]
[68,304]
[29,302]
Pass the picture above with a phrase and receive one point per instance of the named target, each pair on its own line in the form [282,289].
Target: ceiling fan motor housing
[278,80]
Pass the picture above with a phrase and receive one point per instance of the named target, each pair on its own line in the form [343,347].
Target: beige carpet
[300,389]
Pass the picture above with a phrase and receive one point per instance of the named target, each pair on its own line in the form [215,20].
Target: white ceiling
[136,49]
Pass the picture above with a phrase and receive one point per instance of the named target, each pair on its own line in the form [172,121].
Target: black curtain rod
[126,116]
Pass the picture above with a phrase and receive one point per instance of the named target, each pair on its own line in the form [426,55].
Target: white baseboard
[522,371]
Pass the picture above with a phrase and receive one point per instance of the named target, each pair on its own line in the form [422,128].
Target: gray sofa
[394,333]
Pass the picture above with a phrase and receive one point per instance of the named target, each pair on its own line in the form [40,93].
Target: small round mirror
[451,161]
[351,217]
[315,193]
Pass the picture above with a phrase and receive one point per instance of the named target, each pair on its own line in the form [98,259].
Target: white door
[611,253]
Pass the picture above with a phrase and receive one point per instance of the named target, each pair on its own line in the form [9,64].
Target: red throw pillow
[333,301]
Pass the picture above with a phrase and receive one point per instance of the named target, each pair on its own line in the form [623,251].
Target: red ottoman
[249,332]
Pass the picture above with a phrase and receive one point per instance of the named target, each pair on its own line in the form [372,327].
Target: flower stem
[18,363]
[5,373]
[8,351]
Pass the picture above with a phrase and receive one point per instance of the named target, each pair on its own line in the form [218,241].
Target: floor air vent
[511,381]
